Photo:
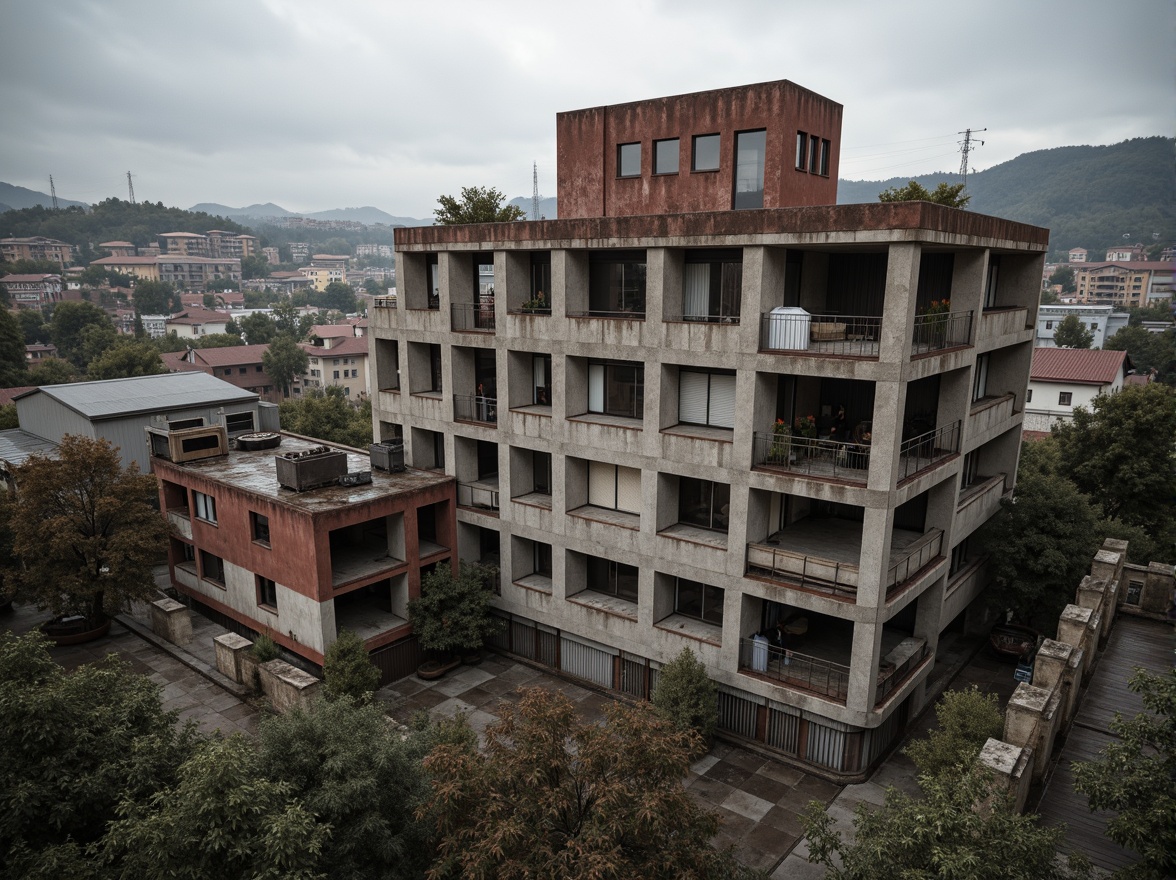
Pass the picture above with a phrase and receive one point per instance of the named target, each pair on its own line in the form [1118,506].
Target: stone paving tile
[711,790]
[762,787]
[784,821]
[817,789]
[866,792]
[239,711]
[755,858]
[452,687]
[746,760]
[703,764]
[781,772]
[725,771]
[222,701]
[181,704]
[450,708]
[745,804]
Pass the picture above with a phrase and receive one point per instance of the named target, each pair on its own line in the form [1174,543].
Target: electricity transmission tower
[534,190]
[52,192]
[130,188]
[966,146]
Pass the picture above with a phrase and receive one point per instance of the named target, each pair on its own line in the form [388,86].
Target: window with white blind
[616,388]
[614,487]
[706,398]
[205,506]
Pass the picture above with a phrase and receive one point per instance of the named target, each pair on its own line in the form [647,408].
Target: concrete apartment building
[1124,284]
[32,291]
[36,247]
[615,414]
[300,558]
[1102,321]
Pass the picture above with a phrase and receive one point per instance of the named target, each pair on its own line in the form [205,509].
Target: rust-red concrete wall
[587,140]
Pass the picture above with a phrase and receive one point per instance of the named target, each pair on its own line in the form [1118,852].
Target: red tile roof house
[1063,378]
[196,322]
[340,361]
[239,365]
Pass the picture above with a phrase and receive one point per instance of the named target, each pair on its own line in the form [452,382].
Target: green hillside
[1088,197]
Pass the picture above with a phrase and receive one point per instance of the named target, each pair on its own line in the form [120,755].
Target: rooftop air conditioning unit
[310,468]
[388,455]
[356,478]
[188,444]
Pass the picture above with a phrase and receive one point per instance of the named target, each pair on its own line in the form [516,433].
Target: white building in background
[1103,321]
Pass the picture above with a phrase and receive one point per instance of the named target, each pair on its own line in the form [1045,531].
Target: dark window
[993,280]
[260,525]
[434,367]
[629,160]
[541,468]
[703,503]
[801,150]
[238,423]
[541,560]
[616,388]
[257,369]
[189,552]
[749,169]
[179,424]
[665,156]
[541,379]
[541,280]
[267,592]
[1029,396]
[814,153]
[212,568]
[1064,398]
[712,285]
[980,382]
[825,157]
[705,154]
[959,557]
[616,283]
[700,601]
[242,370]
[613,578]
[434,271]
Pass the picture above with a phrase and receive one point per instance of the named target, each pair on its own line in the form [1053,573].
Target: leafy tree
[127,357]
[156,298]
[97,339]
[553,796]
[1159,312]
[71,745]
[687,697]
[477,205]
[1071,334]
[32,324]
[1042,540]
[85,531]
[327,414]
[453,613]
[220,283]
[13,369]
[284,360]
[258,328]
[945,194]
[1048,298]
[254,267]
[8,417]
[171,342]
[217,340]
[338,295]
[348,671]
[287,319]
[69,321]
[53,371]
[1064,275]
[1135,777]
[1147,350]
[361,778]
[967,719]
[222,818]
[374,287]
[942,834]
[1122,453]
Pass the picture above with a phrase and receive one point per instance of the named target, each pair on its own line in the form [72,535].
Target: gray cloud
[314,106]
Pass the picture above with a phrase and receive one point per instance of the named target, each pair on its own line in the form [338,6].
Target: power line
[938,137]
[965,148]
[897,165]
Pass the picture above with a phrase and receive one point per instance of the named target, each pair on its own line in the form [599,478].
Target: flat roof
[166,392]
[255,472]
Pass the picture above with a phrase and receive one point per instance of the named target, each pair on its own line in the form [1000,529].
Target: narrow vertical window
[801,150]
[749,169]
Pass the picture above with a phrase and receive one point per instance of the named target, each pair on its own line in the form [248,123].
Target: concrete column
[863,666]
[1009,766]
[1156,597]
[1030,722]
[171,620]
[287,686]
[1052,670]
[229,649]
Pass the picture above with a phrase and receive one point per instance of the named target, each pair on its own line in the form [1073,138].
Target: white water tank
[788,328]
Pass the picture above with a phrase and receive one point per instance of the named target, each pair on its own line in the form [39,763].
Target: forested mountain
[269,211]
[1091,197]
[16,197]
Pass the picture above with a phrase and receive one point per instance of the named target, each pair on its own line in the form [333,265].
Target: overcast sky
[315,105]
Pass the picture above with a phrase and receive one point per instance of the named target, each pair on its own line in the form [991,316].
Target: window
[614,487]
[212,568]
[959,557]
[814,147]
[825,150]
[267,593]
[614,578]
[179,424]
[1049,325]
[336,374]
[541,280]
[205,507]
[993,280]
[629,160]
[1064,398]
[616,388]
[749,169]
[700,601]
[541,380]
[541,558]
[665,156]
[980,382]
[1093,325]
[242,370]
[435,367]
[801,150]
[968,471]
[705,153]
[712,285]
[616,283]
[238,423]
[1029,396]
[706,398]
[703,503]
[541,471]
[257,369]
[259,524]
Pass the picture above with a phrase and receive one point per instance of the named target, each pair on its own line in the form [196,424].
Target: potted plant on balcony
[537,305]
[452,616]
[806,427]
[933,327]
[781,447]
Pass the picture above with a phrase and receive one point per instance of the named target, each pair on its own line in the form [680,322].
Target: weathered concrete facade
[854,543]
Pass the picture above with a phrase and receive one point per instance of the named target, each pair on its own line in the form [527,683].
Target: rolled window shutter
[596,388]
[602,484]
[629,489]
[722,401]
[692,394]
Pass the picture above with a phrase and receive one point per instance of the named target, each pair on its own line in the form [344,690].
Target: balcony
[793,669]
[922,452]
[480,495]
[475,408]
[822,556]
[998,323]
[819,459]
[899,665]
[472,317]
[941,331]
[978,502]
[801,333]
[988,417]
[384,302]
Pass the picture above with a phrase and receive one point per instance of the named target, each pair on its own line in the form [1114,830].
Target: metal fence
[472,317]
[794,669]
[942,330]
[477,497]
[924,450]
[816,573]
[898,573]
[475,408]
[899,674]
[812,457]
[845,335]
[597,313]
[384,302]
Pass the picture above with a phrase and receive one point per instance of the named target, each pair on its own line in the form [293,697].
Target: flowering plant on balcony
[538,304]
[937,307]
[781,442]
[805,426]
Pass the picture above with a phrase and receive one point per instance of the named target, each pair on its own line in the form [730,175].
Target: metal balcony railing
[793,669]
[812,457]
[842,335]
[922,451]
[811,573]
[889,680]
[475,408]
[477,497]
[943,330]
[922,553]
[384,302]
[472,317]
[624,315]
